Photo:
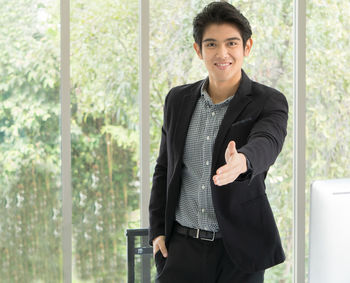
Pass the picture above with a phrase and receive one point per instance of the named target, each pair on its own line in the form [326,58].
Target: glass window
[328,89]
[105,121]
[172,58]
[30,186]
[105,136]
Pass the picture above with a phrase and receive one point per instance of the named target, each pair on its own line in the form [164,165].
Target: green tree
[105,140]
[104,135]
[30,217]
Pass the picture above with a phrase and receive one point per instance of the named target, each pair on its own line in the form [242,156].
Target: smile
[222,66]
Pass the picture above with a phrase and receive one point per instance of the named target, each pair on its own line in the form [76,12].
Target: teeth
[222,65]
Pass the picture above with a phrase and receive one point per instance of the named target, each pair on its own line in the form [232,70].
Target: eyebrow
[228,39]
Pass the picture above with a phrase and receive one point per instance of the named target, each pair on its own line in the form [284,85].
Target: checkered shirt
[195,208]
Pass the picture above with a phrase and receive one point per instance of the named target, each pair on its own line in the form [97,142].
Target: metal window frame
[144,103]
[299,138]
[66,142]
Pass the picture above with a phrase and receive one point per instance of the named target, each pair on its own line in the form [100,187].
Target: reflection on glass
[174,62]
[105,140]
[30,199]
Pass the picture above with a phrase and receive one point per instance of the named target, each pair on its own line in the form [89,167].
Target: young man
[210,219]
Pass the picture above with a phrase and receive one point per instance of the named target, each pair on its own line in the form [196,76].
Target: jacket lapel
[236,106]
[187,106]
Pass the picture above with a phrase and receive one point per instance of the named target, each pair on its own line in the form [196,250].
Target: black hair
[220,13]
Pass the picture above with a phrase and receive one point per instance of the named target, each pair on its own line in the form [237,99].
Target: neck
[221,90]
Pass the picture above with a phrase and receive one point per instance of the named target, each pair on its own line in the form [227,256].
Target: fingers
[230,172]
[227,175]
[225,179]
[163,249]
[233,165]
[159,244]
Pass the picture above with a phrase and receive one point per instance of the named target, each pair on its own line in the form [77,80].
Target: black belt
[197,233]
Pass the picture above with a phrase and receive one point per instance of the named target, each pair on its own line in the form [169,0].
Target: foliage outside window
[30,186]
[105,139]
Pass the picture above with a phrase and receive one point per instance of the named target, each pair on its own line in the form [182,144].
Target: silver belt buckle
[197,234]
[210,240]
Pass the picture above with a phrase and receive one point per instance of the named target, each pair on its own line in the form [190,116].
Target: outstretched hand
[236,164]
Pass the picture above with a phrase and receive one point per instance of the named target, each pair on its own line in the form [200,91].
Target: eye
[210,44]
[232,43]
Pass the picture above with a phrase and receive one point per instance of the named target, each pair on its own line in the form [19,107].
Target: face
[223,52]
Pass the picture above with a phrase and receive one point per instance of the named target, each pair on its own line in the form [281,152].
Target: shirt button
[207,163]
[208,138]
[212,113]
[203,210]
[203,187]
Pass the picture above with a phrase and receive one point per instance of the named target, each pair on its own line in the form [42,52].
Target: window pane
[328,93]
[30,187]
[174,62]
[105,139]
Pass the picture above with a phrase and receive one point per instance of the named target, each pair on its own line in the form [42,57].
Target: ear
[248,46]
[198,50]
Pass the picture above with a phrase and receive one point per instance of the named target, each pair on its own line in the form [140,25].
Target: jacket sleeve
[159,187]
[267,136]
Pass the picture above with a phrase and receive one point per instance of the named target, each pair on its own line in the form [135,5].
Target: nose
[222,51]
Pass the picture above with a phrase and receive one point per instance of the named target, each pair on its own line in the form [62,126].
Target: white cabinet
[329,260]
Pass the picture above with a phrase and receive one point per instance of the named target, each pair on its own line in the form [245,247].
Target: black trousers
[197,261]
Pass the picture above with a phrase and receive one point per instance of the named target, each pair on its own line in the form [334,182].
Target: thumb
[232,145]
[231,150]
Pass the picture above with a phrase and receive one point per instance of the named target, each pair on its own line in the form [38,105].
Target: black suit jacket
[256,119]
